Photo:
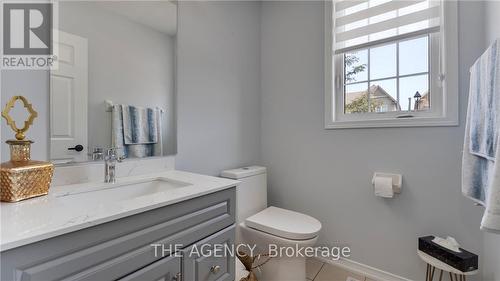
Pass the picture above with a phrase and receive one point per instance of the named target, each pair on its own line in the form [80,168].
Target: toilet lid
[285,223]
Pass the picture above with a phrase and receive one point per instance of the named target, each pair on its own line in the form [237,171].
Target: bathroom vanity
[97,231]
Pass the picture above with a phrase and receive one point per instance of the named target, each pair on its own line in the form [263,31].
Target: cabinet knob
[215,269]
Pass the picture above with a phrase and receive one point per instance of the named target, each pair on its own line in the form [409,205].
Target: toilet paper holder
[397,180]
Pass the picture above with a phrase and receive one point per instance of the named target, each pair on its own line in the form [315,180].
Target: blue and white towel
[134,139]
[140,125]
[480,172]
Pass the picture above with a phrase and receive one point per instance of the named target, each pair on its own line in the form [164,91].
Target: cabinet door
[166,269]
[205,261]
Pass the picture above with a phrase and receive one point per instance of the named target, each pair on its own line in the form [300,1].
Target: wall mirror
[115,82]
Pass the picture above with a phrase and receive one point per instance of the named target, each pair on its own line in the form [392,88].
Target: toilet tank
[251,194]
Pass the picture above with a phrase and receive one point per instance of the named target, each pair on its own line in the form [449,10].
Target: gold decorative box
[23,178]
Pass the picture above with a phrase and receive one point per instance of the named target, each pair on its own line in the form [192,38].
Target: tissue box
[464,261]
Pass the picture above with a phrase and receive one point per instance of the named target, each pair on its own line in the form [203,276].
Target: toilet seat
[285,223]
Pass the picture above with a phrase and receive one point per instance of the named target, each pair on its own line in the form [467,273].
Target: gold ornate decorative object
[12,123]
[23,178]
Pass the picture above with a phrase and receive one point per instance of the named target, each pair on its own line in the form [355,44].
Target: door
[68,100]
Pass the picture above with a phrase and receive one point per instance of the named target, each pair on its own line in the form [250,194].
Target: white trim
[392,123]
[447,116]
[450,60]
[330,78]
[364,270]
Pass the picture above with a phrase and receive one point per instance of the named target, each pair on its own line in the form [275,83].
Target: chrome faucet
[110,160]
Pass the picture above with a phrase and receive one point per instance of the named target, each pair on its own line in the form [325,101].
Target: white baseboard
[365,270]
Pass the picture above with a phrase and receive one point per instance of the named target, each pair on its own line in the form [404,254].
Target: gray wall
[129,63]
[491,256]
[327,173]
[492,21]
[218,85]
[491,270]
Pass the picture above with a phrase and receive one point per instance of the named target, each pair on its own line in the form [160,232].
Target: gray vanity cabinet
[123,248]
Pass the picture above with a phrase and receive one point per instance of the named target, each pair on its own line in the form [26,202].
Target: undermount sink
[106,192]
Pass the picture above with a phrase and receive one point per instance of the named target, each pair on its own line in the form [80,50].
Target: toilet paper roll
[383,187]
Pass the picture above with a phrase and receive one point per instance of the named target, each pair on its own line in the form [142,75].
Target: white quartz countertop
[48,216]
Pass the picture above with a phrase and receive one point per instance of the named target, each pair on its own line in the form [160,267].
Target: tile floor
[317,270]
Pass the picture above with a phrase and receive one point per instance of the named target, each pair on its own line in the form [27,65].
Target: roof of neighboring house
[375,91]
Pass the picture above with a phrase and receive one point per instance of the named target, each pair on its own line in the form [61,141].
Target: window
[391,63]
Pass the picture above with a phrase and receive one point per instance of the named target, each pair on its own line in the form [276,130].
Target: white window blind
[363,23]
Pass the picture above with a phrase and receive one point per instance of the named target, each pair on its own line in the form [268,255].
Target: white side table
[433,263]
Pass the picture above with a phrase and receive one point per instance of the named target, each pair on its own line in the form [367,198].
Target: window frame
[443,56]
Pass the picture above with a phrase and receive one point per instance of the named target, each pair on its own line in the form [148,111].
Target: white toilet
[260,225]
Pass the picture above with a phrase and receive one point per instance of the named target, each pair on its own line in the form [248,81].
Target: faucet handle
[111,153]
[110,150]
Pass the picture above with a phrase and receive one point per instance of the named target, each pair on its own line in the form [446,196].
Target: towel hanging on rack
[135,137]
[140,125]
[480,163]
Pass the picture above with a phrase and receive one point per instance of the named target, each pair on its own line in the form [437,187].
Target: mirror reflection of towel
[140,142]
[140,125]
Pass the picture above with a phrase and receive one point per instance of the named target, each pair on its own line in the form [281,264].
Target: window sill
[393,123]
